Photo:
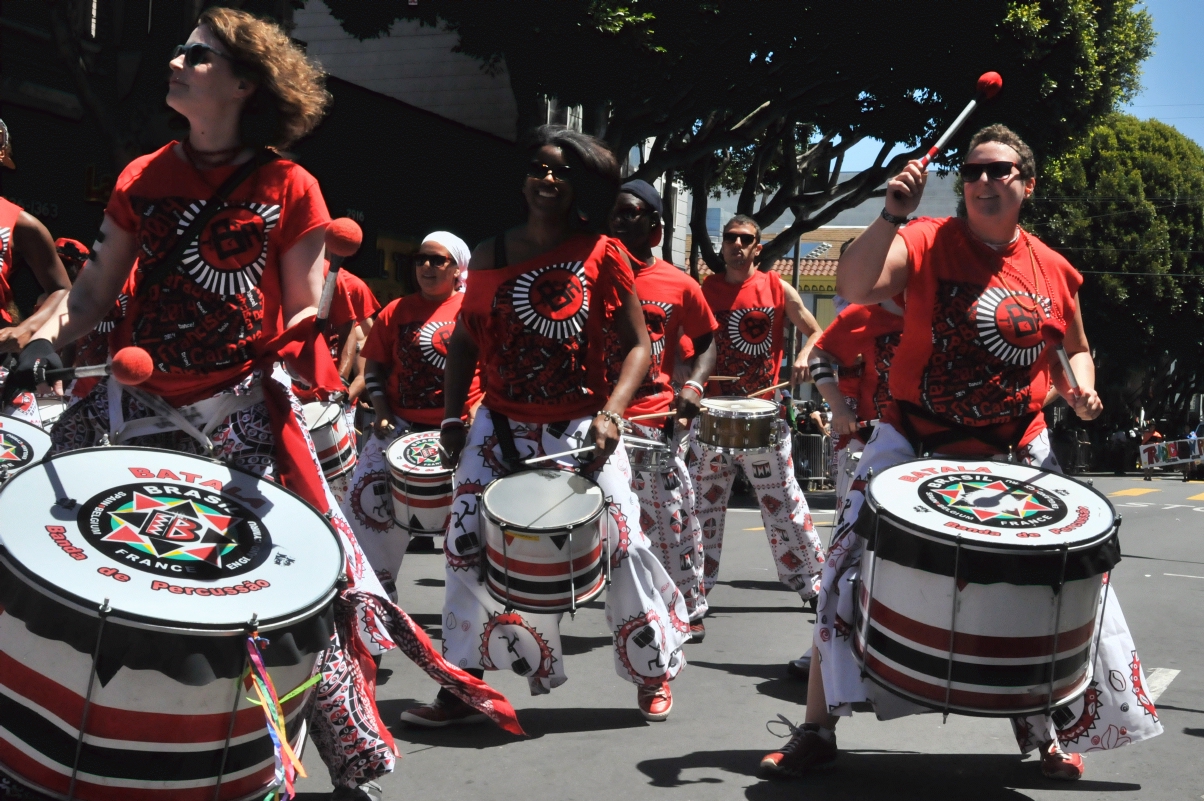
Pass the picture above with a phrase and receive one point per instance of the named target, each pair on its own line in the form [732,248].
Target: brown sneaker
[807,750]
[440,713]
[655,702]
[1057,764]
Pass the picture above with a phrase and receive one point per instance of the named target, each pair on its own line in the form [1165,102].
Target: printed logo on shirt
[6,238]
[552,301]
[1009,324]
[656,318]
[229,256]
[433,338]
[751,330]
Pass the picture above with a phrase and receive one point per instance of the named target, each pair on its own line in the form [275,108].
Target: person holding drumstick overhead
[751,307]
[674,311]
[549,305]
[969,378]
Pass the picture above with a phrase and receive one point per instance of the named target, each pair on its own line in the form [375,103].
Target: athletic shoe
[807,750]
[655,702]
[368,791]
[799,668]
[1059,765]
[440,713]
[422,544]
[698,631]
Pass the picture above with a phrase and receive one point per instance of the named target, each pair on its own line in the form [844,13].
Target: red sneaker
[440,713]
[655,702]
[807,750]
[698,631]
[1059,765]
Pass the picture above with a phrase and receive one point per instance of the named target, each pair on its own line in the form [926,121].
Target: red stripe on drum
[440,502]
[1002,702]
[556,569]
[980,645]
[122,724]
[17,762]
[546,602]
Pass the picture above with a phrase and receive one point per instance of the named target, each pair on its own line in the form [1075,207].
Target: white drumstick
[551,456]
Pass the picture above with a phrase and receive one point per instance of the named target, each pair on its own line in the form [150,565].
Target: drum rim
[133,620]
[326,407]
[644,444]
[542,531]
[954,538]
[395,466]
[38,430]
[775,409]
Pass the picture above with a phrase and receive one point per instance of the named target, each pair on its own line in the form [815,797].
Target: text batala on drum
[974,580]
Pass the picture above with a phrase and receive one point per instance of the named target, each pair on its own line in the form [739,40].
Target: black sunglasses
[428,258]
[538,170]
[744,239]
[195,52]
[995,170]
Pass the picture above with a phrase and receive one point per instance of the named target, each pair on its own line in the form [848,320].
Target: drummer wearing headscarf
[405,356]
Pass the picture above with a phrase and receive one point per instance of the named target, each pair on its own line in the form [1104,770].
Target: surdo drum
[333,438]
[544,542]
[21,445]
[129,579]
[421,486]
[738,425]
[981,583]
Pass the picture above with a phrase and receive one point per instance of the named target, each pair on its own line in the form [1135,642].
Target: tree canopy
[767,96]
[1126,207]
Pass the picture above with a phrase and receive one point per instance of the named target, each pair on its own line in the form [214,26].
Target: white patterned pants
[368,507]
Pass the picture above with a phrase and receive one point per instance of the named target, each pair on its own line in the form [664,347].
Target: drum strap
[197,420]
[1001,438]
[505,440]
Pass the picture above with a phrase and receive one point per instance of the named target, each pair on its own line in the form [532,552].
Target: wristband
[822,372]
[891,218]
[694,385]
[450,422]
[613,417]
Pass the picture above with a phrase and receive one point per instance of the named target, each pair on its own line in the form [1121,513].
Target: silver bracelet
[613,417]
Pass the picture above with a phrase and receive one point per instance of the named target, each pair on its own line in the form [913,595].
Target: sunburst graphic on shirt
[992,500]
[656,319]
[170,528]
[229,256]
[551,300]
[432,339]
[1009,324]
[6,238]
[751,330]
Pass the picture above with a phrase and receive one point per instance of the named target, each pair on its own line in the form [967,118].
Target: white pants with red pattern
[368,507]
[798,554]
[1113,712]
[667,517]
[645,611]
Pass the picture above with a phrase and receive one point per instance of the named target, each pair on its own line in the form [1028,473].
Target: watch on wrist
[891,218]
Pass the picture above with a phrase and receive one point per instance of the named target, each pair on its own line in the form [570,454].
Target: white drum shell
[422,498]
[333,439]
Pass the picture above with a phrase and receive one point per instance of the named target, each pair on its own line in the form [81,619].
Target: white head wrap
[459,251]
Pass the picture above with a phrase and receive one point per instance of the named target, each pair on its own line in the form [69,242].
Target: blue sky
[1172,88]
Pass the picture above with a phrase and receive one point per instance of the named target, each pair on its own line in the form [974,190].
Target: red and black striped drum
[421,485]
[544,540]
[980,586]
[129,579]
[334,440]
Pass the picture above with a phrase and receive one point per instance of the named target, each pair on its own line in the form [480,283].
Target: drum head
[543,500]
[21,444]
[732,406]
[992,504]
[645,444]
[171,541]
[417,454]
[320,414]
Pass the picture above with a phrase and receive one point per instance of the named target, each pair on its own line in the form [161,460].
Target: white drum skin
[738,425]
[421,487]
[22,444]
[51,408]
[333,439]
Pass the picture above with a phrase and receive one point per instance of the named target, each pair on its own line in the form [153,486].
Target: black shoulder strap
[211,208]
[499,251]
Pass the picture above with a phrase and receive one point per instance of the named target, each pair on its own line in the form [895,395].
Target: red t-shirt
[353,302]
[674,311]
[202,323]
[410,339]
[748,341]
[545,329]
[9,212]
[863,339]
[971,351]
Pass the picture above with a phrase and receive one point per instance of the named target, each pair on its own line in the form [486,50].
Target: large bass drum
[981,583]
[129,579]
[21,444]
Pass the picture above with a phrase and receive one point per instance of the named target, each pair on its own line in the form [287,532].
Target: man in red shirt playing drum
[675,312]
[969,378]
[751,307]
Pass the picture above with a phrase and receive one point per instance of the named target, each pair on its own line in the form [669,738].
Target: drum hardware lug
[342,583]
[104,440]
[1053,658]
[67,503]
[103,611]
[252,631]
[957,560]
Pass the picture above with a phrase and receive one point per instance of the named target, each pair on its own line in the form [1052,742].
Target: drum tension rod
[1053,659]
[252,630]
[83,723]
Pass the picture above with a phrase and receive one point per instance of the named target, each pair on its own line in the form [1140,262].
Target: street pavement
[588,741]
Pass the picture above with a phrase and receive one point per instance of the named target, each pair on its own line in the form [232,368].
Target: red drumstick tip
[132,366]
[343,237]
[989,84]
[1053,332]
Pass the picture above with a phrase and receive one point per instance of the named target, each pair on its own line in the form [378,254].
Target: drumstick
[769,389]
[549,456]
[723,378]
[652,416]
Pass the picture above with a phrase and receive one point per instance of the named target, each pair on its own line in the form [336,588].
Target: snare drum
[156,562]
[544,540]
[648,454]
[739,425]
[980,587]
[422,487]
[333,438]
[21,445]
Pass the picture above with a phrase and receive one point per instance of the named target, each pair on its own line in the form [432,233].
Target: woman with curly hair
[207,303]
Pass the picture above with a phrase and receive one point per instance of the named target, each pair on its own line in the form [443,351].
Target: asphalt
[587,739]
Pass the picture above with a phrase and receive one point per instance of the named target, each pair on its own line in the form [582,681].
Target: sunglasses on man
[431,259]
[995,170]
[538,170]
[194,53]
[744,239]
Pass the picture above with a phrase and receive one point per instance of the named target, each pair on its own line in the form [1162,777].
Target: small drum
[333,439]
[544,540]
[128,580]
[21,444]
[739,425]
[422,486]
[648,454]
[980,586]
[50,409]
